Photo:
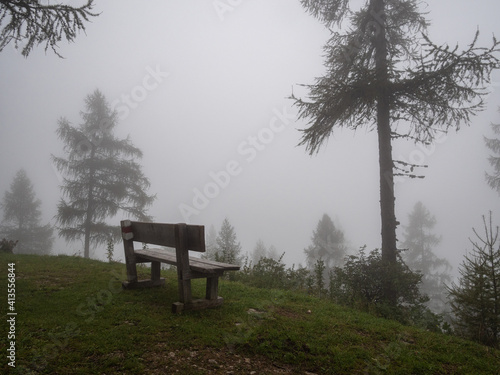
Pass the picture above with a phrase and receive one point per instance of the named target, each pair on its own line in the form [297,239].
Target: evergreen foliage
[33,23]
[493,144]
[7,246]
[383,72]
[328,245]
[259,251]
[102,176]
[418,244]
[272,273]
[475,300]
[360,283]
[228,248]
[22,216]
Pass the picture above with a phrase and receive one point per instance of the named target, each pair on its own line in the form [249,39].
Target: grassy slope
[73,318]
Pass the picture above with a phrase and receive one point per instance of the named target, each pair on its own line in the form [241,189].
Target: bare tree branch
[29,23]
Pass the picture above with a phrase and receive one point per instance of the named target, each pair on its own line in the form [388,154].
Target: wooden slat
[158,255]
[219,265]
[164,234]
[196,264]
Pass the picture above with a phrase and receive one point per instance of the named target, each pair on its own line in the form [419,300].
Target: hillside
[74,318]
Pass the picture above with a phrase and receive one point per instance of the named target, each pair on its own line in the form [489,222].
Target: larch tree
[383,72]
[328,245]
[22,217]
[102,176]
[228,247]
[493,144]
[475,301]
[29,23]
[418,245]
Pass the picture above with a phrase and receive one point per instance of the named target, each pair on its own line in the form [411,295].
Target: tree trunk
[90,207]
[387,198]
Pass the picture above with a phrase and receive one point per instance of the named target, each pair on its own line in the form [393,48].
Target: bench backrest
[186,237]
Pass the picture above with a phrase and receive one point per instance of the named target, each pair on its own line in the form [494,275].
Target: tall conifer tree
[102,176]
[476,298]
[384,72]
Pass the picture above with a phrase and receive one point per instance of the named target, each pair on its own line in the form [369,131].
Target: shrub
[7,246]
[360,284]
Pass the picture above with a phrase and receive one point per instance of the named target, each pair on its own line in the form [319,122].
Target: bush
[7,246]
[272,274]
[360,284]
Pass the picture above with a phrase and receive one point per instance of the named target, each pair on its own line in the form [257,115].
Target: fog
[203,93]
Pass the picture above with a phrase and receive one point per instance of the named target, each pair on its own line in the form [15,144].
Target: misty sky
[203,93]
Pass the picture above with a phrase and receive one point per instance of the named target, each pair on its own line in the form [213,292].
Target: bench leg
[156,279]
[131,274]
[212,288]
[212,298]
[185,291]
[155,271]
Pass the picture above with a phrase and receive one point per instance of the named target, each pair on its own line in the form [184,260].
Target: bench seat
[204,266]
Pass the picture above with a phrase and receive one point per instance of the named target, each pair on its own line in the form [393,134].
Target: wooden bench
[183,238]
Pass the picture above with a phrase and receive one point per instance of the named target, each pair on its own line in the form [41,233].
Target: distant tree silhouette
[22,218]
[259,251]
[228,247]
[328,245]
[419,242]
[493,144]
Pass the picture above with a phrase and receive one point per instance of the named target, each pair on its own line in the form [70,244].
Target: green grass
[74,318]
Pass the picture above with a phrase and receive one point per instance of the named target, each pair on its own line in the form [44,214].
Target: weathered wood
[183,271]
[184,238]
[212,288]
[164,234]
[195,264]
[155,270]
[130,262]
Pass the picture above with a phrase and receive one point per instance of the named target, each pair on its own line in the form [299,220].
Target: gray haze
[200,92]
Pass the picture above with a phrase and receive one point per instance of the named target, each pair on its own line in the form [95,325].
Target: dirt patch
[211,361]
